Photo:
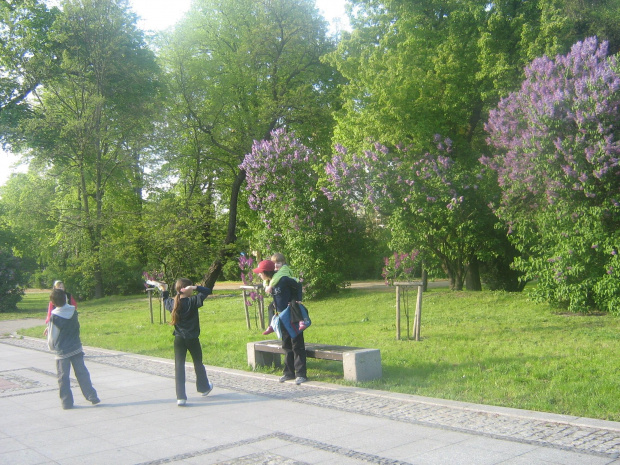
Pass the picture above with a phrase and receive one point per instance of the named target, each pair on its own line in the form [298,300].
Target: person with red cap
[286,290]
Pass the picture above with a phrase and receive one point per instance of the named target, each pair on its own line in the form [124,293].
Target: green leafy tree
[26,55]
[428,204]
[88,123]
[236,71]
[182,231]
[588,18]
[26,210]
[411,73]
[415,69]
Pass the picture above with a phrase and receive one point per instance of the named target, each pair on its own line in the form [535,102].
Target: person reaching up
[183,308]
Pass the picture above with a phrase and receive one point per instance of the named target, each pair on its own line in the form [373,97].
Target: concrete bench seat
[358,364]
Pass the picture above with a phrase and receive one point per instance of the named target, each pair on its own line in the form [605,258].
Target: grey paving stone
[344,425]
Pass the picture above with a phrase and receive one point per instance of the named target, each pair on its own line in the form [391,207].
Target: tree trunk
[458,282]
[455,275]
[231,235]
[98,275]
[93,234]
[472,278]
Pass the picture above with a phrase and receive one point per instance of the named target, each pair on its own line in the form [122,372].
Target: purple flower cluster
[246,264]
[152,276]
[359,178]
[380,180]
[557,133]
[425,198]
[277,170]
[399,267]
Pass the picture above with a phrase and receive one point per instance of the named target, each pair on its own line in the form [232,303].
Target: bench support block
[362,365]
[261,359]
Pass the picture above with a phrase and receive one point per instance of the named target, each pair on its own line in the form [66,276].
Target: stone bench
[359,364]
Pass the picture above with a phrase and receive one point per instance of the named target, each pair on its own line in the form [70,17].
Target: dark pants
[295,354]
[181,346]
[63,369]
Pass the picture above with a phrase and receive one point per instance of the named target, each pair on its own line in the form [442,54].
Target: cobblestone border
[582,439]
[25,385]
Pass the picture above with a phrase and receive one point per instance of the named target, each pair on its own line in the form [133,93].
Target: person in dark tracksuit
[183,310]
[286,290]
[68,348]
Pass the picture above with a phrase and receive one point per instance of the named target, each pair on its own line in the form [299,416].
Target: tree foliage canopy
[238,70]
[87,117]
[26,54]
[139,154]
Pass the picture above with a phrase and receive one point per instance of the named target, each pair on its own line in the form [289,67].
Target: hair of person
[58,283]
[269,274]
[278,258]
[58,297]
[180,284]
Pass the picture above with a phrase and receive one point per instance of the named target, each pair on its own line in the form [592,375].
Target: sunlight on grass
[488,347]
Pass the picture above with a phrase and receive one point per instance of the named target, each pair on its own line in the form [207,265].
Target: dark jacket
[286,290]
[188,324]
[68,344]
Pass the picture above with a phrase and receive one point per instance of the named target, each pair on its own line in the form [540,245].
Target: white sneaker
[181,402]
[206,393]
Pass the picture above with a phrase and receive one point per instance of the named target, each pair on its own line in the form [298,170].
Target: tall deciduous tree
[415,69]
[238,69]
[89,119]
[26,207]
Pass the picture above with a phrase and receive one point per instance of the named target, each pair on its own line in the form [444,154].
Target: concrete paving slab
[251,419]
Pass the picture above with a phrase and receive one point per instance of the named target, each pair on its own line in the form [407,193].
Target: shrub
[12,281]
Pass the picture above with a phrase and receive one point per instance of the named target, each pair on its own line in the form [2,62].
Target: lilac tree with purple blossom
[400,266]
[557,167]
[430,202]
[293,216]
[248,278]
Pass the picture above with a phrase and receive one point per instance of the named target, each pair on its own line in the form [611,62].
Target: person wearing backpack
[282,269]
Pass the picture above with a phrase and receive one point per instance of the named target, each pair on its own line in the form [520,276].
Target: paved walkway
[250,419]
[9,327]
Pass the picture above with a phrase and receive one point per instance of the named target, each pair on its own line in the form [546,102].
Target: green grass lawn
[487,347]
